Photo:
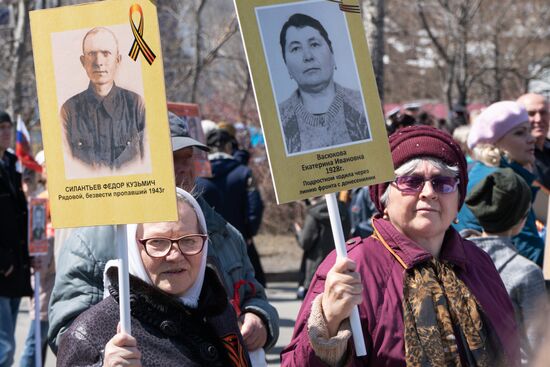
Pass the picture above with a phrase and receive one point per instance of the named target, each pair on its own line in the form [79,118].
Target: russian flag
[23,147]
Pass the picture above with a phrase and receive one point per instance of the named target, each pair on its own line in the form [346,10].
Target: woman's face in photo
[519,144]
[309,59]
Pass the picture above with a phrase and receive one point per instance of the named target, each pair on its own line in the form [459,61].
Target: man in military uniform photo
[104,125]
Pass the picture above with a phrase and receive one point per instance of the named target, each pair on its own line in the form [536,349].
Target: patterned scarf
[438,308]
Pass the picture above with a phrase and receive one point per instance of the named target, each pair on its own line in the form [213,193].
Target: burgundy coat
[381,312]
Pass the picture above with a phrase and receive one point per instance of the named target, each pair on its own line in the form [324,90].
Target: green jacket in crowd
[79,279]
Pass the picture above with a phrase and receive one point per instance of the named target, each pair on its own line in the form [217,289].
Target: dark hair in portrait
[319,103]
[299,20]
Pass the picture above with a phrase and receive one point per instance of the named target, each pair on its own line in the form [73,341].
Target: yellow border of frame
[113,199]
[329,170]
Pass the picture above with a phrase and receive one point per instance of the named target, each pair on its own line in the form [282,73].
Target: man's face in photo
[309,60]
[38,217]
[101,57]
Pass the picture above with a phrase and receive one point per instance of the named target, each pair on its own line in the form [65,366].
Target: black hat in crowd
[218,138]
[5,117]
[500,200]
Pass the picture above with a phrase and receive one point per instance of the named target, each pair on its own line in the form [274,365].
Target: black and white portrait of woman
[316,110]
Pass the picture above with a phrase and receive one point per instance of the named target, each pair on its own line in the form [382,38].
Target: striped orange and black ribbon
[139,43]
[235,350]
[347,8]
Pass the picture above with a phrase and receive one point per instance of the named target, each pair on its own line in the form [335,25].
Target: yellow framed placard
[316,94]
[100,84]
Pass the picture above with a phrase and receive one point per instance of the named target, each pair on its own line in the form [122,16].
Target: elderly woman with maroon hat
[426,296]
[500,137]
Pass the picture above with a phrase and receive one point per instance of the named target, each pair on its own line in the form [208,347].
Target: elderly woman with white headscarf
[180,314]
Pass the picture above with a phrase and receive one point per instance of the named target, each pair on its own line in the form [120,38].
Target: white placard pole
[123,279]
[37,331]
[339,242]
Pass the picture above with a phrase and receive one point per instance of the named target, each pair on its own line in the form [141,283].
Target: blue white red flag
[23,147]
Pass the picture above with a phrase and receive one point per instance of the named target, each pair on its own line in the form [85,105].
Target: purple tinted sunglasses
[415,184]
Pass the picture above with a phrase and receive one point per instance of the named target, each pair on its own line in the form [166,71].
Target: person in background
[500,137]
[501,202]
[391,119]
[46,267]
[316,237]
[458,116]
[426,296]
[460,135]
[241,203]
[15,277]
[241,155]
[412,110]
[425,118]
[539,117]
[362,209]
[79,285]
[208,126]
[404,120]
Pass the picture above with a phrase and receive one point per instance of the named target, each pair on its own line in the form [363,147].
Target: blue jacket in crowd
[240,202]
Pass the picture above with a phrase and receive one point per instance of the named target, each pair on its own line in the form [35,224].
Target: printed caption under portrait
[334,163]
[109,190]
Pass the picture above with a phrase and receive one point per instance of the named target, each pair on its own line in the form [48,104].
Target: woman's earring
[385,216]
[455,221]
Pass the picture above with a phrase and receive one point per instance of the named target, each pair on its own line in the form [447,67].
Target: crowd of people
[444,263]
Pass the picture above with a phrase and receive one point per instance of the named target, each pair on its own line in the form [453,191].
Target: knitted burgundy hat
[423,141]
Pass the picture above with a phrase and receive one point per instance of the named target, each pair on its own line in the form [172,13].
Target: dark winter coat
[167,332]
[316,237]
[362,210]
[13,232]
[241,203]
[381,311]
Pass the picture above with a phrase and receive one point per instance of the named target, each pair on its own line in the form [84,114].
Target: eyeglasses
[188,245]
[414,184]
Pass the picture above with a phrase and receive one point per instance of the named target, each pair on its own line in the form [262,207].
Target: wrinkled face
[519,144]
[184,168]
[6,132]
[423,214]
[100,57]
[537,109]
[173,273]
[308,58]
